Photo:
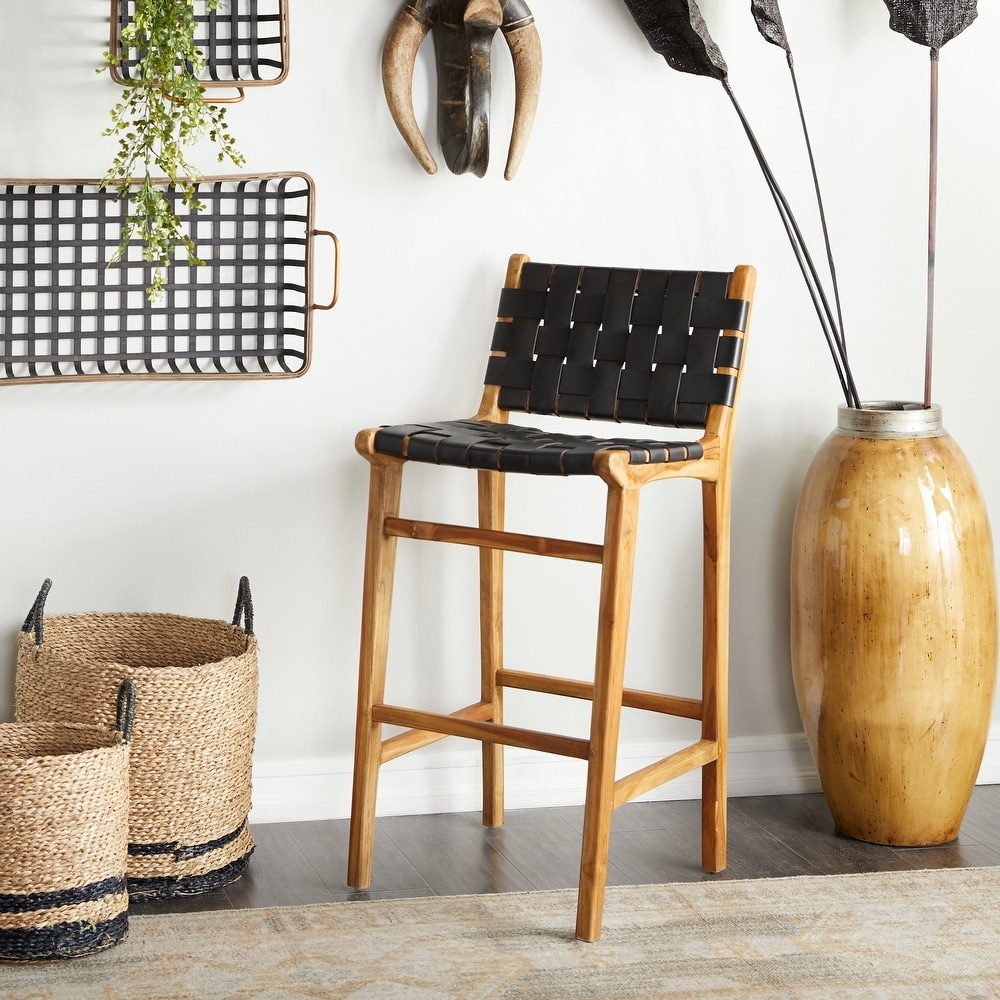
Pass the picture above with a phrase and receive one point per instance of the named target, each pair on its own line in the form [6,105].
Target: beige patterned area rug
[931,935]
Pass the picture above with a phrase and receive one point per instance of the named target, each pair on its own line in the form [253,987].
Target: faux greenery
[162,112]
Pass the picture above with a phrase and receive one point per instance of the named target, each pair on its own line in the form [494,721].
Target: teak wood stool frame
[658,347]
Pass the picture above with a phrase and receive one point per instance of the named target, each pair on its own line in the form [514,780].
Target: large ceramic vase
[894,624]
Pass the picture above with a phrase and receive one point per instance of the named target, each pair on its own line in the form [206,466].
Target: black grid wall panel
[66,312]
[242,40]
[642,346]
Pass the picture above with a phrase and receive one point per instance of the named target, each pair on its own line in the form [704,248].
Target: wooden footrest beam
[509,541]
[414,739]
[488,732]
[697,755]
[646,701]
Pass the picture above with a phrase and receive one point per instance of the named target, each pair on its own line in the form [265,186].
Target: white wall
[158,496]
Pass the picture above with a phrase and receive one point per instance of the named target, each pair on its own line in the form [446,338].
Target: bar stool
[654,347]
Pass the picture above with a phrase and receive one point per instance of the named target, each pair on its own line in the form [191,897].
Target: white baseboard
[436,780]
[989,771]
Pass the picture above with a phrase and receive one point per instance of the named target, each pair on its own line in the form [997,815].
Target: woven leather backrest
[641,346]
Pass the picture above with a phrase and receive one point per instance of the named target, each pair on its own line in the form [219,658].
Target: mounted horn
[399,56]
[525,46]
[463,38]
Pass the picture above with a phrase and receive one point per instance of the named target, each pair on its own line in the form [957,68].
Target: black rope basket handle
[125,709]
[244,606]
[37,613]
[34,620]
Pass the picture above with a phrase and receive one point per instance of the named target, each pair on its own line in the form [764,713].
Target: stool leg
[491,516]
[612,634]
[380,561]
[715,674]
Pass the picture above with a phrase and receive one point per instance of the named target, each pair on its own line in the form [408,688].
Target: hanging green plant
[162,112]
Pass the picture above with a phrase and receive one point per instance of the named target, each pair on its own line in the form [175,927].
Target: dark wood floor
[769,836]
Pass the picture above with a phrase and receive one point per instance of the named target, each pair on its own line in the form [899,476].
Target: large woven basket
[195,724]
[64,836]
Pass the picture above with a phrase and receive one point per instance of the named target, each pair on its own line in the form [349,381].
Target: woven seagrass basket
[64,836]
[195,724]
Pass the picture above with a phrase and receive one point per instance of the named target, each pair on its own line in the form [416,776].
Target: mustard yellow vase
[894,624]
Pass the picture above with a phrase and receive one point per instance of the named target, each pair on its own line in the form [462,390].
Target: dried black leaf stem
[819,203]
[832,331]
[931,226]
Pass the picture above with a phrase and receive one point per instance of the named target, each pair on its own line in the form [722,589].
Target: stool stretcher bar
[508,541]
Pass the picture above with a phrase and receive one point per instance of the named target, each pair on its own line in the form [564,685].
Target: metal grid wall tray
[244,42]
[68,314]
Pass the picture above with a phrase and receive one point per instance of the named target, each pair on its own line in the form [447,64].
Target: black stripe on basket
[68,940]
[167,886]
[182,852]
[31,902]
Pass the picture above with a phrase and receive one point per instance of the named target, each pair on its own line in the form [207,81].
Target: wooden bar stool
[662,348]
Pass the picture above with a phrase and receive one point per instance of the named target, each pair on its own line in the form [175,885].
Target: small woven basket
[64,836]
[195,725]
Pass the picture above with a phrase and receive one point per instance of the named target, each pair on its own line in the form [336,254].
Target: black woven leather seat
[483,444]
[648,347]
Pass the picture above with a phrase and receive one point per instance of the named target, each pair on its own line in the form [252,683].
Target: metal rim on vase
[888,419]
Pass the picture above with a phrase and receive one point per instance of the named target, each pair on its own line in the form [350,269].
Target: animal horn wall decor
[463,36]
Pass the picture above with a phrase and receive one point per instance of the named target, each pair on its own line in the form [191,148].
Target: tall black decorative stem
[819,202]
[931,225]
[832,330]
